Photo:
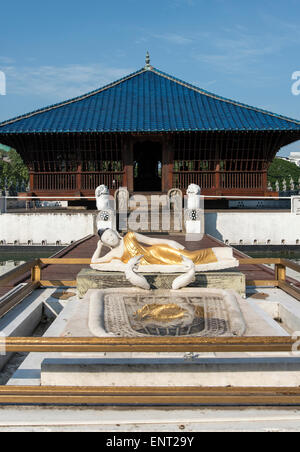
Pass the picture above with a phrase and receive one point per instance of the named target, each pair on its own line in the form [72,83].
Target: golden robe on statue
[163,254]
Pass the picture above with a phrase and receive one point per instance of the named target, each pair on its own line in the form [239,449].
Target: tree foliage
[13,173]
[281,170]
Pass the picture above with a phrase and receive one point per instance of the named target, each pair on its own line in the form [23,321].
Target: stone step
[243,371]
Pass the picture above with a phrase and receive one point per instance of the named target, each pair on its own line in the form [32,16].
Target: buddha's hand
[134,263]
[134,278]
[99,247]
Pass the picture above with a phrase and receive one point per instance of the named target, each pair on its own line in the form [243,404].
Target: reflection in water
[12,257]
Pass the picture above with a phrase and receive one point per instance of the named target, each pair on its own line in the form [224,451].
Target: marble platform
[168,369]
[229,280]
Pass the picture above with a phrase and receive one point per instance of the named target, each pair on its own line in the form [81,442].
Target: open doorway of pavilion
[147,165]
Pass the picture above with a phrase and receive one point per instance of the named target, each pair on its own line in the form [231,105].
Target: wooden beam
[262,283]
[290,264]
[149,344]
[260,261]
[63,261]
[215,396]
[58,283]
[36,273]
[280,272]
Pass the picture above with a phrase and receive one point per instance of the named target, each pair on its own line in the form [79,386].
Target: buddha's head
[109,237]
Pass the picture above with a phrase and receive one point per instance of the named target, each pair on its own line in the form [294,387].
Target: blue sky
[247,51]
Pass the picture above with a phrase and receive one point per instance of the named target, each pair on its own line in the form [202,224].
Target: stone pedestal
[91,279]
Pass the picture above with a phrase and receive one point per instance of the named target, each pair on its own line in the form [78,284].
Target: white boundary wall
[254,228]
[231,227]
[47,229]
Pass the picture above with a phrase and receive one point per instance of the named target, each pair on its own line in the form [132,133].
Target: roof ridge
[223,99]
[73,100]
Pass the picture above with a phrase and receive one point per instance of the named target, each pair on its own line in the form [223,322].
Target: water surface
[12,257]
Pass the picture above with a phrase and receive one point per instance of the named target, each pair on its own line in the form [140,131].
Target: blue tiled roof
[148,101]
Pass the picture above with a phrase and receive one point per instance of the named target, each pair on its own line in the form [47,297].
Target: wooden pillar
[79,177]
[31,181]
[218,178]
[36,273]
[128,165]
[280,272]
[167,165]
[265,181]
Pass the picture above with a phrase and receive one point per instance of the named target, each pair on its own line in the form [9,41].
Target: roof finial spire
[148,66]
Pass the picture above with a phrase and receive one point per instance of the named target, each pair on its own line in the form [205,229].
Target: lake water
[11,258]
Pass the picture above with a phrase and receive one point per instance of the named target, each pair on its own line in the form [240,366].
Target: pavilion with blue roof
[150,132]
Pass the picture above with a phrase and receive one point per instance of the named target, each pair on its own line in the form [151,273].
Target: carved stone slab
[92,279]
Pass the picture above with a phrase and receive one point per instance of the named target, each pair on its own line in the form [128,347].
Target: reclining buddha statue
[158,254]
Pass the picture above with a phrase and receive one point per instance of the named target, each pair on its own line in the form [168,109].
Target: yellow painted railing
[143,396]
[151,344]
[280,279]
[36,269]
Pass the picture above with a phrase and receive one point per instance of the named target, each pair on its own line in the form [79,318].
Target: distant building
[295,158]
[3,156]
[5,159]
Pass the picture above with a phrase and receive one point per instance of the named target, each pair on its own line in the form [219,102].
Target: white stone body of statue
[106,218]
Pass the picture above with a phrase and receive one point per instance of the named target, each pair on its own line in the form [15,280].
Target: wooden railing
[16,295]
[205,179]
[74,181]
[241,180]
[280,279]
[280,276]
[90,181]
[147,344]
[130,395]
[233,180]
[55,182]
[151,396]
